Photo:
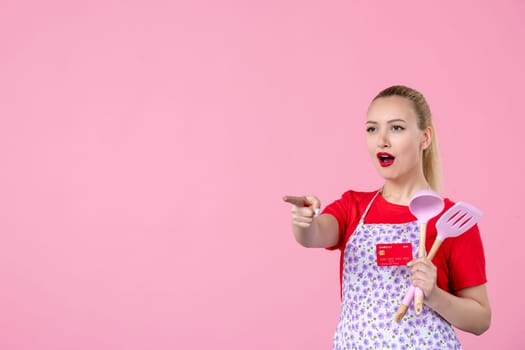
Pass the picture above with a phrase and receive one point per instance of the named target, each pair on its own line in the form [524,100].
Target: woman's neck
[401,193]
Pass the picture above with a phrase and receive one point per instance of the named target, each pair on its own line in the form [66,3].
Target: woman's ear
[426,138]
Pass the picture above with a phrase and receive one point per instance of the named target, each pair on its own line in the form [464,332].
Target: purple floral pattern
[371,296]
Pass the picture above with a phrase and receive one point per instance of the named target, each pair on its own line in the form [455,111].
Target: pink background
[145,147]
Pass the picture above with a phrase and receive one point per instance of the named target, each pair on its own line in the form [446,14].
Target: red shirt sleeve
[339,210]
[466,261]
[348,210]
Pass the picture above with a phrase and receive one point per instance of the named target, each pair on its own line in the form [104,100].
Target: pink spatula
[424,205]
[457,220]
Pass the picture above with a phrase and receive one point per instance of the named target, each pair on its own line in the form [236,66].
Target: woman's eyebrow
[397,120]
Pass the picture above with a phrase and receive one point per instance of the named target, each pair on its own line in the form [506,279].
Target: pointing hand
[304,208]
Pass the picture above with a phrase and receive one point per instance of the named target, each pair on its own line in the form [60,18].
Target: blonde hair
[431,164]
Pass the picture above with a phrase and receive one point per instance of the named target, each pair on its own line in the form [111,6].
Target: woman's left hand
[424,275]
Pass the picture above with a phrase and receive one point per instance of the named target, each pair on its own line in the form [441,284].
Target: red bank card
[393,254]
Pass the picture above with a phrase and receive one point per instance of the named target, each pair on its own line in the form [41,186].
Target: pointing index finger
[297,201]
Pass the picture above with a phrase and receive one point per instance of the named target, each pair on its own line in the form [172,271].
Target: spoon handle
[422,239]
[419,296]
[403,307]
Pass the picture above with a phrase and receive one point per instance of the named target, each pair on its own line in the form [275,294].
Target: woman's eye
[397,128]
[370,129]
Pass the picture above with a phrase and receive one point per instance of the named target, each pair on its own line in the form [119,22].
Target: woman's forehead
[390,108]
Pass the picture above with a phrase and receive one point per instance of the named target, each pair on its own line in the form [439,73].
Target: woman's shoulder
[352,200]
[448,203]
[353,195]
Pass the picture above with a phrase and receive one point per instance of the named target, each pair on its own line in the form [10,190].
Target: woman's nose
[382,141]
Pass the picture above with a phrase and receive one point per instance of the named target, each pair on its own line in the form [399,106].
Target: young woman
[402,144]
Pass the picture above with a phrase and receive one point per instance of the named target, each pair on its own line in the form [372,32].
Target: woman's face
[395,142]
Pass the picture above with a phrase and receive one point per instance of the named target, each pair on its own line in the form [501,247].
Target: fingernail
[317,211]
[409,263]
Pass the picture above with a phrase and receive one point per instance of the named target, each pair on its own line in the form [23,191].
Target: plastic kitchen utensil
[424,205]
[402,309]
[457,220]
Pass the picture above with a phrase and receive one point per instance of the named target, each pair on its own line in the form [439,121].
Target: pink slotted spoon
[457,220]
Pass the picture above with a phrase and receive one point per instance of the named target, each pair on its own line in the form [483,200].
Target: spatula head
[456,220]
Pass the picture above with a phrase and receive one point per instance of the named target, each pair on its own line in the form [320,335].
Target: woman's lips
[385,159]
